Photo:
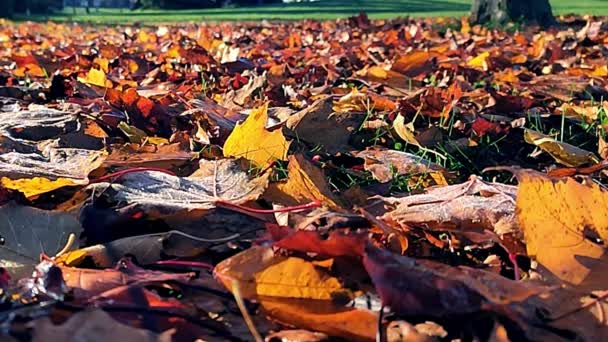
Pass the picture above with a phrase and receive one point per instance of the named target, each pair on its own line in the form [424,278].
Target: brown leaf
[424,287]
[319,126]
[475,205]
[93,325]
[385,164]
[305,183]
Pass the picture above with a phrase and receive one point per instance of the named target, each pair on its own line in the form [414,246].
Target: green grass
[322,9]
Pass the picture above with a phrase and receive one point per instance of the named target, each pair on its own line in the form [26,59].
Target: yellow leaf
[480,61]
[405,131]
[559,218]
[465,26]
[600,71]
[354,101]
[32,187]
[103,63]
[73,258]
[377,72]
[259,272]
[305,183]
[252,141]
[562,152]
[96,77]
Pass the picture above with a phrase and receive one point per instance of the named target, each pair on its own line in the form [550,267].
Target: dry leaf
[480,61]
[252,141]
[306,183]
[560,220]
[324,316]
[96,77]
[93,325]
[405,131]
[560,151]
[336,128]
[385,164]
[259,272]
[473,205]
[216,180]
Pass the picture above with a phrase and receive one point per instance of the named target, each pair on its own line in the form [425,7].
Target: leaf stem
[195,264]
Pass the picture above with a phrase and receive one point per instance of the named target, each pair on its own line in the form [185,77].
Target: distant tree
[500,11]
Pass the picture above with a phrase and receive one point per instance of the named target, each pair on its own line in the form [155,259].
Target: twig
[195,264]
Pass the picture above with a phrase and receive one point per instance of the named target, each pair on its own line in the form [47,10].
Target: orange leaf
[324,316]
[559,219]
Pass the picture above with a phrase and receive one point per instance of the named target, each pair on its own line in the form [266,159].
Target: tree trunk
[501,11]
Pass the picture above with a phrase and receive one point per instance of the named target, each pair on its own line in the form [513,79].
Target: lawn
[322,9]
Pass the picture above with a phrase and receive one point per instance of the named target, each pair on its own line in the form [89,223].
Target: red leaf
[337,244]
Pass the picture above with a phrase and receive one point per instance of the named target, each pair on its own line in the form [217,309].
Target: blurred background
[154,11]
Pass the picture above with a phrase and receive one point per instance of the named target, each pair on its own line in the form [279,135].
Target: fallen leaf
[86,283]
[259,272]
[34,174]
[562,152]
[96,77]
[473,205]
[324,316]
[480,61]
[320,117]
[385,165]
[32,187]
[405,131]
[297,335]
[27,232]
[305,183]
[216,180]
[415,63]
[252,141]
[429,288]
[337,244]
[562,221]
[93,325]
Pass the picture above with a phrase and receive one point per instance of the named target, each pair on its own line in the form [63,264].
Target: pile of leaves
[403,180]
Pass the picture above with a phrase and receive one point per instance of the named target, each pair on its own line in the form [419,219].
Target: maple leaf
[562,221]
[258,272]
[252,141]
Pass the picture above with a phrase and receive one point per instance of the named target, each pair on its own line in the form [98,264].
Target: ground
[324,9]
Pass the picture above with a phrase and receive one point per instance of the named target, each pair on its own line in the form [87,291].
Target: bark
[501,11]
